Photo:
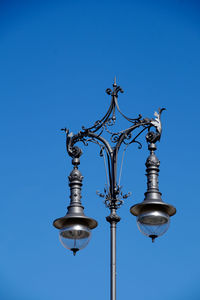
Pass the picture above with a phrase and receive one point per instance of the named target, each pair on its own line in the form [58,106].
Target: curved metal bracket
[94,134]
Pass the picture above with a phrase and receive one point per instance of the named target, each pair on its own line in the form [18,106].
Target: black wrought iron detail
[73,151]
[152,137]
[113,217]
[120,197]
[86,142]
[94,134]
[110,116]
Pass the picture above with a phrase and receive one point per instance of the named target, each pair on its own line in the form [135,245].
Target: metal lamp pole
[153,215]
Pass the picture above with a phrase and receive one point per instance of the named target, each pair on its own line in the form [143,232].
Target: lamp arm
[127,132]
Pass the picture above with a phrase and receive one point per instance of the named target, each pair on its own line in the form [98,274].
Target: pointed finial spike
[74,250]
[115,84]
[153,237]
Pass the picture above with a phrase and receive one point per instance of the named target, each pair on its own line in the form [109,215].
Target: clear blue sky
[56,60]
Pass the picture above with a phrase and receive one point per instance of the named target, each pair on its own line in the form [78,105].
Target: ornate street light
[153,215]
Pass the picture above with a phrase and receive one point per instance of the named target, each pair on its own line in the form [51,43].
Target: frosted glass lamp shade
[75,237]
[153,223]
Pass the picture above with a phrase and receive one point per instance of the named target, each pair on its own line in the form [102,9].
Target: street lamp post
[153,215]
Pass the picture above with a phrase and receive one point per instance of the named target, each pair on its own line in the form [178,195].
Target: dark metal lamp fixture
[153,215]
[75,227]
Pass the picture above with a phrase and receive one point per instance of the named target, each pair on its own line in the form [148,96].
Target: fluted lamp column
[153,215]
[75,227]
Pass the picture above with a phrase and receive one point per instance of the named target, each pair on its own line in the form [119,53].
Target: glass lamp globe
[75,237]
[153,223]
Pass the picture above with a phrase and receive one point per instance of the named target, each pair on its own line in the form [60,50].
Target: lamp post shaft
[113,219]
[113,260]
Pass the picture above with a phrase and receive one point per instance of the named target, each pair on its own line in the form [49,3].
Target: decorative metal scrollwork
[108,199]
[94,134]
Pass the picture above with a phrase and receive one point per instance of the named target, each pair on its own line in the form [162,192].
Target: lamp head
[153,223]
[75,230]
[75,237]
[153,218]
